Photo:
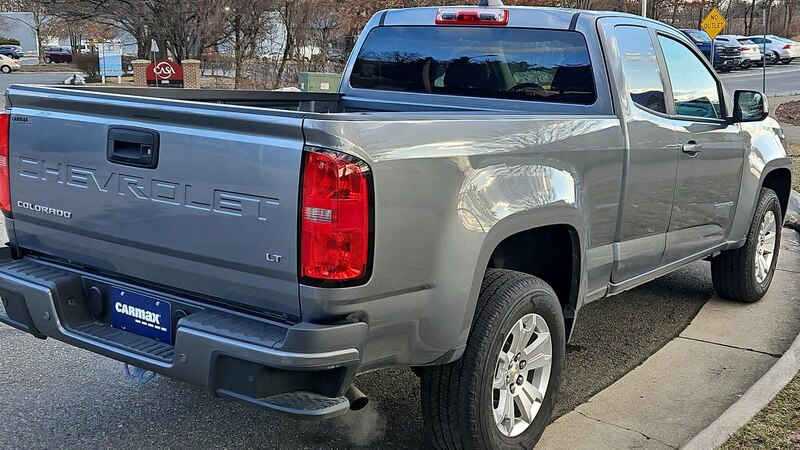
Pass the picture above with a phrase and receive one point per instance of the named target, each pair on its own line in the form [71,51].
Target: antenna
[490,3]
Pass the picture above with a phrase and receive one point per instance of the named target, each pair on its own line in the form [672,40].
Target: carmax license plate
[141,315]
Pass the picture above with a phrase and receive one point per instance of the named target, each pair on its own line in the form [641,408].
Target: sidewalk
[792,131]
[690,382]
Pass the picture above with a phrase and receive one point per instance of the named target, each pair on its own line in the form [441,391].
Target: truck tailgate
[215,216]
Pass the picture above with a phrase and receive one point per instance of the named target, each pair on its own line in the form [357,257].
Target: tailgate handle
[133,147]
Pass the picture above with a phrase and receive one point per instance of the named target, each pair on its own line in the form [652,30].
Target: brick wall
[140,72]
[191,73]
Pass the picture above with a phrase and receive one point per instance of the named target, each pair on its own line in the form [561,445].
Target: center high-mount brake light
[5,189]
[476,16]
[335,219]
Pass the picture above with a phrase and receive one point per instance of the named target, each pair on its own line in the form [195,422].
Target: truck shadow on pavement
[67,398]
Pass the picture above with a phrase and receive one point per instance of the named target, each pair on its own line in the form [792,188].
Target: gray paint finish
[453,177]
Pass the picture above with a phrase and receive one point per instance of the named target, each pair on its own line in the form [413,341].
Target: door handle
[136,147]
[692,148]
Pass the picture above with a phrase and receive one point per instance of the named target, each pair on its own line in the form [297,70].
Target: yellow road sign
[714,23]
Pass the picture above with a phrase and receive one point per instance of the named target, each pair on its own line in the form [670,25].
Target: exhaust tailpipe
[357,398]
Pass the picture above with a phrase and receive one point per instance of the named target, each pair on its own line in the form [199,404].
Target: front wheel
[5,69]
[500,394]
[744,274]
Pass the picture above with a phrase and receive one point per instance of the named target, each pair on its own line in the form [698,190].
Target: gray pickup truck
[482,173]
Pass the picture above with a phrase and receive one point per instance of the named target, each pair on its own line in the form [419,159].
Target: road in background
[7,80]
[781,79]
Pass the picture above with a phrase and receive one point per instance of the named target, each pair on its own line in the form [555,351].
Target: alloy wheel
[765,247]
[521,375]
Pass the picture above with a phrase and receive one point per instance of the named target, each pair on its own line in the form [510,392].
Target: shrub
[8,41]
[87,63]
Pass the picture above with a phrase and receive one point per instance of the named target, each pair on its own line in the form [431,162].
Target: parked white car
[785,50]
[8,65]
[751,54]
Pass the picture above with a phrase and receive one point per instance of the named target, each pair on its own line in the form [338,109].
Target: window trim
[667,95]
[667,82]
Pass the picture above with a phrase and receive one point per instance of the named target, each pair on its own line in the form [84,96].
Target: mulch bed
[49,68]
[789,112]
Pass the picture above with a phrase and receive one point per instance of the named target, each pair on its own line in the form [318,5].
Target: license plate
[141,315]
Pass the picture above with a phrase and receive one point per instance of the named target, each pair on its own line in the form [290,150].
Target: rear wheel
[786,61]
[500,394]
[744,274]
[47,60]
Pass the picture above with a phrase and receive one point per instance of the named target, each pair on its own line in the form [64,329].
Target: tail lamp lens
[335,217]
[787,47]
[5,189]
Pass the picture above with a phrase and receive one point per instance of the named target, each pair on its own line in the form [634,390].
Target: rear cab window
[488,62]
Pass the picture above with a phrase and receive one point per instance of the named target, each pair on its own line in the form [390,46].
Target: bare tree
[246,22]
[38,24]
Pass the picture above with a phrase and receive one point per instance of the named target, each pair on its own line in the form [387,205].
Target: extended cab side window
[640,66]
[694,89]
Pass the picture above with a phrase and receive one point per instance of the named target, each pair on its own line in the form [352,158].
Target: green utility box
[319,82]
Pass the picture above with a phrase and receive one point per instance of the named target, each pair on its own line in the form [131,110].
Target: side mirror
[750,106]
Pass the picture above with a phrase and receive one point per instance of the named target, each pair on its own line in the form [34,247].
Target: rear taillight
[335,218]
[5,189]
[745,49]
[787,47]
[482,16]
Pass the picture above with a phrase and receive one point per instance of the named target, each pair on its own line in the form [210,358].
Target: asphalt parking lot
[55,396]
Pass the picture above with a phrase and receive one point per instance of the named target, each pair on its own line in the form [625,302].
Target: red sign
[165,73]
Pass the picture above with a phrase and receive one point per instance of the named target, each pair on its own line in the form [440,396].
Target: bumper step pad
[306,405]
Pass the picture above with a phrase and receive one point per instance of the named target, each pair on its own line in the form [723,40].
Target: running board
[631,283]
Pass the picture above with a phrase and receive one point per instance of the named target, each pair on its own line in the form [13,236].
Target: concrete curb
[751,402]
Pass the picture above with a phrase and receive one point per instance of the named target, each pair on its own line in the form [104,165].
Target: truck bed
[307,102]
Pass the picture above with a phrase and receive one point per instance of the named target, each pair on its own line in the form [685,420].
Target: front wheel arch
[779,180]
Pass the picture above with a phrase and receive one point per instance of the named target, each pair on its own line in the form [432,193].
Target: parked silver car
[751,54]
[785,50]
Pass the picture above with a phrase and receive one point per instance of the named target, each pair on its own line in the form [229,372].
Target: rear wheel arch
[551,253]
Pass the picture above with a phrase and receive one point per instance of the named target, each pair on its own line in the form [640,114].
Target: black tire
[5,69]
[786,61]
[733,271]
[47,60]
[457,398]
[726,69]
[776,58]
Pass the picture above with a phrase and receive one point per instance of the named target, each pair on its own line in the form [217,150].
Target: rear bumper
[303,369]
[726,61]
